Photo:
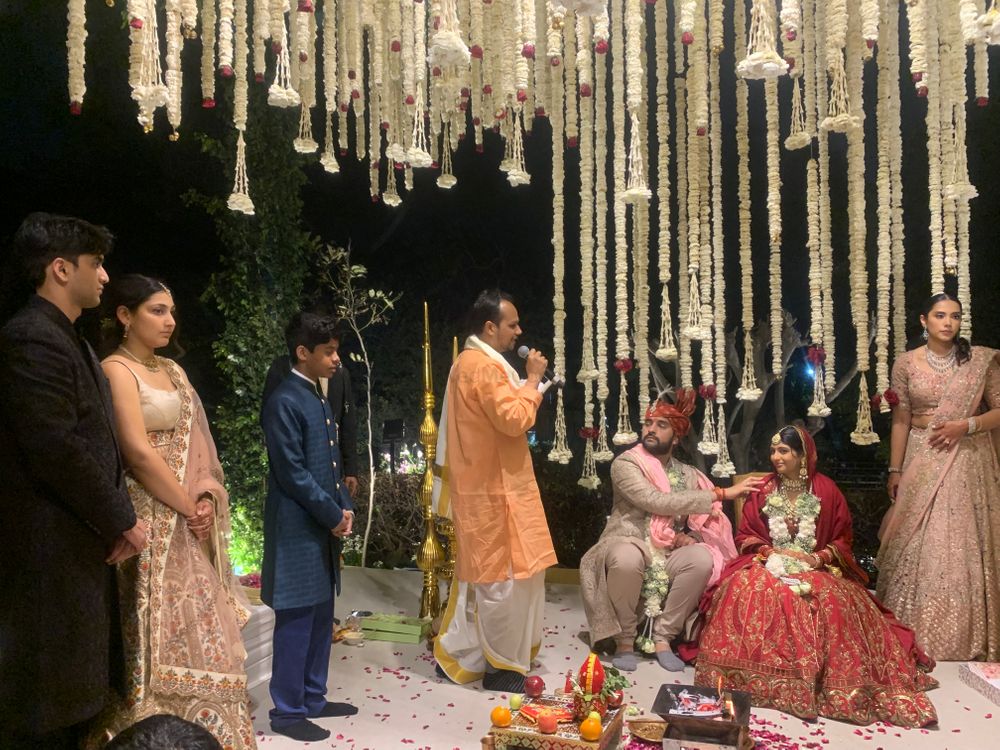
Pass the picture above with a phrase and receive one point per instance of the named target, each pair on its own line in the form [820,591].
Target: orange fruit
[590,729]
[500,716]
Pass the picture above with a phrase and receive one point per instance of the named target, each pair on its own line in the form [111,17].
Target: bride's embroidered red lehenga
[835,652]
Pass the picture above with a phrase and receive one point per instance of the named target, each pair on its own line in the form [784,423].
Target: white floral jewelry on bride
[805,509]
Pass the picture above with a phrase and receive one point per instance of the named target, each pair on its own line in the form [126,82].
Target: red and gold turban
[678,413]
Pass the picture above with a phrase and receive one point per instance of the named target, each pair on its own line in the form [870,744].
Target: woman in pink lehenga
[939,564]
[181,609]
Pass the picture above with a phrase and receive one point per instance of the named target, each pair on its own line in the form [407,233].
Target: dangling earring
[924,334]
[125,334]
[803,472]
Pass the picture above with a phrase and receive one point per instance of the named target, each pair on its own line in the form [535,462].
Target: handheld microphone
[557,380]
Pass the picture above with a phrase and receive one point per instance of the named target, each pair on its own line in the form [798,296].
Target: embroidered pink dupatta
[714,527]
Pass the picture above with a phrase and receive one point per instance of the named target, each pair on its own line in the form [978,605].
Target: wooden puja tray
[523,734]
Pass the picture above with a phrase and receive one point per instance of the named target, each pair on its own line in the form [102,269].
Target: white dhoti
[491,626]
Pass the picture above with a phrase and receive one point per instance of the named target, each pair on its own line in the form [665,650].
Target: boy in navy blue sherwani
[307,513]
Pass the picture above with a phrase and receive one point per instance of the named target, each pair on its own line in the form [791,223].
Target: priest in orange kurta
[492,626]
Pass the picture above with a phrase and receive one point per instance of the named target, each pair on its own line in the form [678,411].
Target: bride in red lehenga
[791,620]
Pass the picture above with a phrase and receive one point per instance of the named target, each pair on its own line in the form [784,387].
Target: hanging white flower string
[839,117]
[226,38]
[239,199]
[76,39]
[560,450]
[329,159]
[916,20]
[684,363]
[931,89]
[281,93]
[208,31]
[883,278]
[572,128]
[694,328]
[624,435]
[863,433]
[588,368]
[145,74]
[261,33]
[748,390]
[666,350]
[762,59]
[774,226]
[304,143]
[602,449]
[172,74]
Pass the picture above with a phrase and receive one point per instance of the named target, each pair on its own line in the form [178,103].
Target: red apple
[547,723]
[616,699]
[534,686]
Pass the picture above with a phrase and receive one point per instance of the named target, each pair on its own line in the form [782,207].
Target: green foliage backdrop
[258,287]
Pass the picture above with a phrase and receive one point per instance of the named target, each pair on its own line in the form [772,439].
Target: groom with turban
[667,517]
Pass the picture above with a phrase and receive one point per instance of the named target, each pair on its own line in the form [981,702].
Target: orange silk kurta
[499,521]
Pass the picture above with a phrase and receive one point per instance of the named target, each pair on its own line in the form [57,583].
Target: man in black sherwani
[65,515]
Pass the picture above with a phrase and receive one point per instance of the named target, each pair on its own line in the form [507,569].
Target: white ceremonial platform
[404,705]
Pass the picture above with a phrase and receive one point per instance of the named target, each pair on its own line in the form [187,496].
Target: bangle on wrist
[720,493]
[973,426]
[894,470]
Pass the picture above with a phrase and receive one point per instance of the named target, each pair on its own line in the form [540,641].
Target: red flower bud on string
[436,71]
[891,397]
[528,51]
[571,142]
[75,108]
[476,122]
[409,100]
[276,48]
[303,56]
[816,355]
[465,92]
[352,74]
[555,61]
[435,165]
[343,108]
[305,6]
[522,95]
[395,46]
[870,43]
[790,61]
[375,164]
[982,101]
[463,105]
[436,22]
[355,94]
[589,433]
[476,51]
[136,23]
[601,47]
[487,89]
[479,148]
[258,77]
[384,125]
[343,152]
[687,38]
[585,89]
[790,35]
[922,91]
[917,76]
[540,112]
[702,130]
[624,365]
[875,402]
[226,71]
[707,391]
[208,103]
[398,166]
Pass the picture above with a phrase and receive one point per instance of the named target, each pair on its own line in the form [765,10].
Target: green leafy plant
[360,308]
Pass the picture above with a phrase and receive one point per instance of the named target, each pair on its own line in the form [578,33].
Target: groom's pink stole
[715,529]
[961,398]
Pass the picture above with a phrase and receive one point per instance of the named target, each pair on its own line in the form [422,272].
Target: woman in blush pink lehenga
[182,610]
[939,563]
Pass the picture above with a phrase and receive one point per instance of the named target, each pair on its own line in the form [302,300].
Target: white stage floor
[403,705]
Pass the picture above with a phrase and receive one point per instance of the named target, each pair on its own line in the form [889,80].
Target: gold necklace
[151,364]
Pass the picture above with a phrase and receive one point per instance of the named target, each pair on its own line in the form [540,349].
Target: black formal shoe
[504,681]
[335,709]
[302,731]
